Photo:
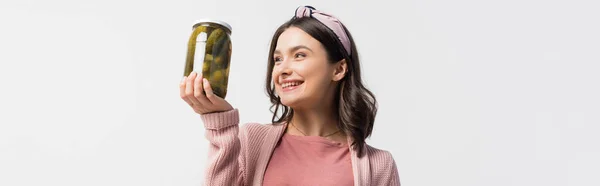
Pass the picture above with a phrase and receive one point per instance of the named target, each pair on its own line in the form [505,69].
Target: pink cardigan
[239,156]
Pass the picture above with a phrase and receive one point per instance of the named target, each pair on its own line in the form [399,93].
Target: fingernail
[183,79]
[205,80]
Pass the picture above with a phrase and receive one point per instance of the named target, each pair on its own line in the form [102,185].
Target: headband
[328,20]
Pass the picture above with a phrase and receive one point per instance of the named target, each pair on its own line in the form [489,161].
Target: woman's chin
[287,103]
[290,102]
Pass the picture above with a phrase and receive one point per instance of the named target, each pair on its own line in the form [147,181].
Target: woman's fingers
[182,88]
[209,92]
[218,103]
[189,89]
[199,91]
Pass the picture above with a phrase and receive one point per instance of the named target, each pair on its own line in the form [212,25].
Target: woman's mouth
[291,85]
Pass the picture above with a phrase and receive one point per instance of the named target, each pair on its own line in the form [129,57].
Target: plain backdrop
[471,93]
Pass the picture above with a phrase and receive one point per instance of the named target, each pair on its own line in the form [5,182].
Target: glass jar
[209,53]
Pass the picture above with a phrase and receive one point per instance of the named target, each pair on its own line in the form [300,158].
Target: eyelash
[303,55]
[278,59]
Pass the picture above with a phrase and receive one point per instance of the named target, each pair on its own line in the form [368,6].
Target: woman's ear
[341,68]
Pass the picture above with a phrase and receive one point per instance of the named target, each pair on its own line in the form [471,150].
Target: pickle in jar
[208,60]
[213,37]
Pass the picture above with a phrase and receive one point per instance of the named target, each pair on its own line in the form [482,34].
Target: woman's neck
[320,121]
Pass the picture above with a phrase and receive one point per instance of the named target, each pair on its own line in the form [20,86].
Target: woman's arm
[226,154]
[226,162]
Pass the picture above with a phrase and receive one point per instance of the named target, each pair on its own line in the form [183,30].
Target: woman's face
[302,75]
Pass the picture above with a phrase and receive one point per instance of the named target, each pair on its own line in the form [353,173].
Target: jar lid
[222,23]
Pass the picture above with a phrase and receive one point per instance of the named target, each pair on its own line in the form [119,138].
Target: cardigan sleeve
[394,177]
[226,162]
[384,171]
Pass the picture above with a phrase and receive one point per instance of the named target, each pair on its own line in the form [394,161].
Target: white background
[471,93]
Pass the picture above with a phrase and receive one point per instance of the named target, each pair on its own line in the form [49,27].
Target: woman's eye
[300,55]
[277,59]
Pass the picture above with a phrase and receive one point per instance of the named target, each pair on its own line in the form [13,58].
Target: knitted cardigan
[239,155]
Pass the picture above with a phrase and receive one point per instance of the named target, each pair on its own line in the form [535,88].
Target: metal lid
[222,23]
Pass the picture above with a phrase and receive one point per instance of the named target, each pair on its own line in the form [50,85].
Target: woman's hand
[196,91]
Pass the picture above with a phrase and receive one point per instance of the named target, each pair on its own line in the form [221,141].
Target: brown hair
[357,105]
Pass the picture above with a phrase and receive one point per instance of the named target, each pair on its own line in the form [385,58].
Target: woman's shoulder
[381,161]
[382,166]
[378,154]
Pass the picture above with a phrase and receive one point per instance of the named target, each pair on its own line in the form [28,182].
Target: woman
[322,115]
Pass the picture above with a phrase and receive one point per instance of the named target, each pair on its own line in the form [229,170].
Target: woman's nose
[284,68]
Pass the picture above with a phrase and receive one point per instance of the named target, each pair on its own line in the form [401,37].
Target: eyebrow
[295,48]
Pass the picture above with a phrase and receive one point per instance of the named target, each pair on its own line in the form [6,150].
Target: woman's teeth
[290,84]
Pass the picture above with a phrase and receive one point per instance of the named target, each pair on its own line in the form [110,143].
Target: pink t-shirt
[309,160]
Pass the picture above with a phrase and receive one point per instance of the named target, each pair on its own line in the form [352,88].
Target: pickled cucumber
[220,46]
[217,76]
[208,60]
[219,60]
[225,63]
[215,36]
[208,57]
[221,52]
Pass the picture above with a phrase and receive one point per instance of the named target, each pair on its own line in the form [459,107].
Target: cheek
[318,76]
[274,78]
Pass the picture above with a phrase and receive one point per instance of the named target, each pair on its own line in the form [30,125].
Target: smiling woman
[332,76]
[314,83]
